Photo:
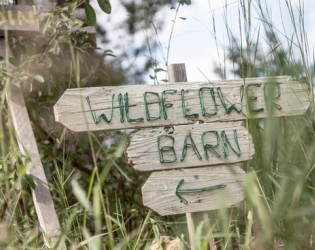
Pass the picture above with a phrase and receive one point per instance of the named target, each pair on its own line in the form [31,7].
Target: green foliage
[95,194]
[183,2]
[105,6]
[90,14]
[280,176]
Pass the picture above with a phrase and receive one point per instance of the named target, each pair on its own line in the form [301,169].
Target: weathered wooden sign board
[189,146]
[194,189]
[19,18]
[109,108]
[25,18]
[186,126]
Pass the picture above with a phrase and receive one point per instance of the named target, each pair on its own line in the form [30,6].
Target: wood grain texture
[176,73]
[41,195]
[191,230]
[159,190]
[143,153]
[73,111]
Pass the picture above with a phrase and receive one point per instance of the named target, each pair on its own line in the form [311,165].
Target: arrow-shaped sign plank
[110,108]
[194,189]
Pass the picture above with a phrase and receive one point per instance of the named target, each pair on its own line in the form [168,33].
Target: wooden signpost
[189,133]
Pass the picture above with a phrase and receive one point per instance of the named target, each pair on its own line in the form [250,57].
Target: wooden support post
[177,73]
[43,202]
[41,195]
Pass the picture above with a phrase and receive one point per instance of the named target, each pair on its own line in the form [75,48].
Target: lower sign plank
[189,146]
[193,190]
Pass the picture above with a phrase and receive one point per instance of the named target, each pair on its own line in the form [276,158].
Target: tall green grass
[98,198]
[278,209]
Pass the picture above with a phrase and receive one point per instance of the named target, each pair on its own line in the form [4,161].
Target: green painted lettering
[272,91]
[121,108]
[164,104]
[146,106]
[227,109]
[164,149]
[96,118]
[185,109]
[226,143]
[189,145]
[202,104]
[126,99]
[251,98]
[210,147]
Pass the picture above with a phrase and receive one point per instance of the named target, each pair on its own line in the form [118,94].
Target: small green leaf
[109,53]
[63,17]
[72,6]
[80,194]
[188,2]
[29,180]
[105,6]
[158,70]
[48,61]
[39,78]
[90,14]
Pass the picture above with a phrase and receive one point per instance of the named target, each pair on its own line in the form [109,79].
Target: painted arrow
[163,189]
[178,191]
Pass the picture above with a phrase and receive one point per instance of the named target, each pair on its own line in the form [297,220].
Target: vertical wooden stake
[177,73]
[191,230]
[43,202]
